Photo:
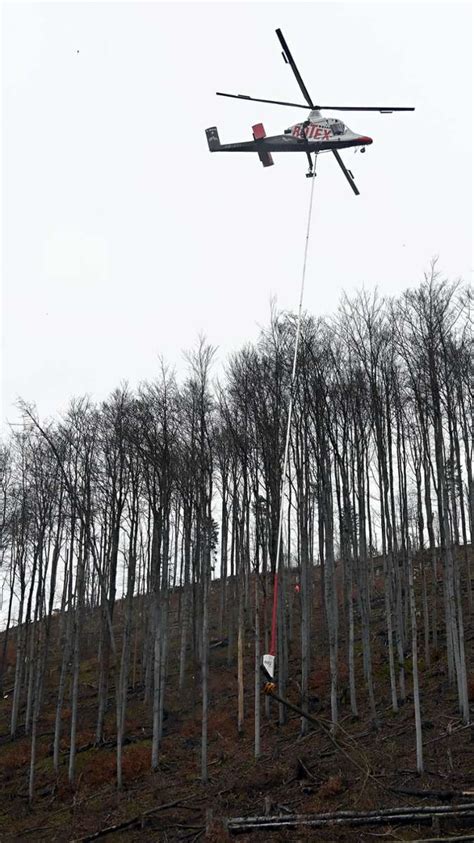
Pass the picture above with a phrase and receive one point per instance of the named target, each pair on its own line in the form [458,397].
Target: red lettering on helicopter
[316,132]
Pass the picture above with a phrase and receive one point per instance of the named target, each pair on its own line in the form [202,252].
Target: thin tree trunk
[416,689]
[257,672]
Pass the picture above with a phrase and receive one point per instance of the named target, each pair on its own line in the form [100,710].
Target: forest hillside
[138,545]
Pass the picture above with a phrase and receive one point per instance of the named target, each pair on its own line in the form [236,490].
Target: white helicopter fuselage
[320,130]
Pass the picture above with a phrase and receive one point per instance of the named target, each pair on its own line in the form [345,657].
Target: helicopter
[314,135]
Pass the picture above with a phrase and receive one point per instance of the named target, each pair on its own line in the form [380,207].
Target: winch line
[273,642]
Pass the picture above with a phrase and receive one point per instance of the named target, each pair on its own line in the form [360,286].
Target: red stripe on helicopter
[311,132]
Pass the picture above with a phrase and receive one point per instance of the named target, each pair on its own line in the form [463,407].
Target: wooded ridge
[138,545]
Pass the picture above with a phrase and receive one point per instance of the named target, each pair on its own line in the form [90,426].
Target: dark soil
[293,775]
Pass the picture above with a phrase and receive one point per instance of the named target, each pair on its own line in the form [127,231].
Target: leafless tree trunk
[416,689]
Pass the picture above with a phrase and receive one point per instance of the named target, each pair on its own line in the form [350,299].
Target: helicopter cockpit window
[338,127]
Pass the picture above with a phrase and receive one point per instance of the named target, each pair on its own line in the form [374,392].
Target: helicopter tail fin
[213,139]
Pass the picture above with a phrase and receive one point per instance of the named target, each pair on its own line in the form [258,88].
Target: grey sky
[124,237]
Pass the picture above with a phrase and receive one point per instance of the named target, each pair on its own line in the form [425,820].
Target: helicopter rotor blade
[387,109]
[347,173]
[256,99]
[289,58]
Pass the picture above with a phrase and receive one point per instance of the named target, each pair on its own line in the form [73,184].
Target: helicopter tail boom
[255,145]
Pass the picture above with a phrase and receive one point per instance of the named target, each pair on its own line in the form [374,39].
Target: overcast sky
[123,237]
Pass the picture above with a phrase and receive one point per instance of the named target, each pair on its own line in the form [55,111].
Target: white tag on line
[268,662]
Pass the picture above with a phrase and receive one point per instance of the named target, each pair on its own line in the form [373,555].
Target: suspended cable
[269,659]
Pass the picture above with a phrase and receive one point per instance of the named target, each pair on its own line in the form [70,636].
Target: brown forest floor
[301,775]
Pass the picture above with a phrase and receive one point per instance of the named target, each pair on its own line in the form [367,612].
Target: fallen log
[139,819]
[128,739]
[451,839]
[448,734]
[406,816]
[433,794]
[270,690]
[214,645]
